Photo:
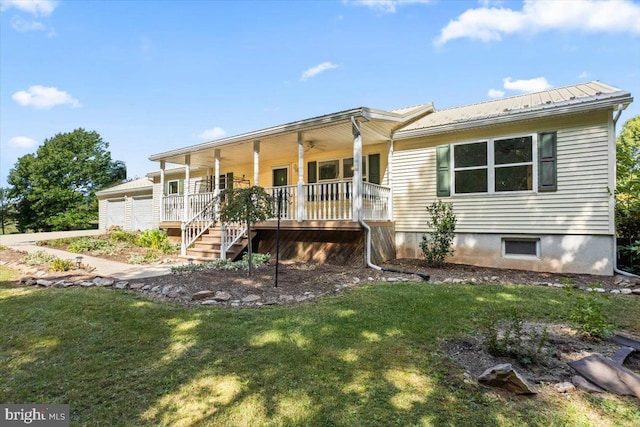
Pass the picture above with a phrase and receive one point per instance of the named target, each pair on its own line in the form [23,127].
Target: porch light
[78,262]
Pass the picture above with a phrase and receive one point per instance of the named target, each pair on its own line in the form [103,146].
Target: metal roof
[553,101]
[131,186]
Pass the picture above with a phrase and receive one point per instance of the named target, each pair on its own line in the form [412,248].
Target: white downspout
[367,246]
[615,239]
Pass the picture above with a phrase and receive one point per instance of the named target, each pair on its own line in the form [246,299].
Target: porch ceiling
[326,133]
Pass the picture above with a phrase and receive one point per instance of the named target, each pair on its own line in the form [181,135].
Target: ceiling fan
[313,145]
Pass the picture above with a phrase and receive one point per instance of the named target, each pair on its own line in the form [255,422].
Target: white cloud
[491,24]
[22,142]
[386,6]
[526,86]
[44,97]
[314,71]
[213,133]
[584,75]
[494,93]
[34,7]
[23,26]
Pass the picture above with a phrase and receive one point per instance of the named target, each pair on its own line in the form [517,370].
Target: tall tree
[54,188]
[7,211]
[628,181]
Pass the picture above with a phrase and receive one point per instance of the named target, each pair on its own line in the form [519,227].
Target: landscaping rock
[87,284]
[166,290]
[585,385]
[625,291]
[286,298]
[156,289]
[145,288]
[251,298]
[202,295]
[175,292]
[564,387]
[622,281]
[504,376]
[222,296]
[101,281]
[44,282]
[136,286]
[121,285]
[209,302]
[635,291]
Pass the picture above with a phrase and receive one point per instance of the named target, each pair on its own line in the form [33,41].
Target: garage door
[141,210]
[115,213]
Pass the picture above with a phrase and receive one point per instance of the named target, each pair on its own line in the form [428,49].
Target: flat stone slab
[583,384]
[611,377]
[251,298]
[202,295]
[504,376]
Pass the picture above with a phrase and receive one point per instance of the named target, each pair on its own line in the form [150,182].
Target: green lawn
[370,357]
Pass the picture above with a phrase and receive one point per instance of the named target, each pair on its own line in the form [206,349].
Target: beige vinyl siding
[102,214]
[157,201]
[581,205]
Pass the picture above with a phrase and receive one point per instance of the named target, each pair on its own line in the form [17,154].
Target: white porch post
[357,170]
[390,179]
[216,172]
[185,198]
[256,162]
[162,166]
[300,190]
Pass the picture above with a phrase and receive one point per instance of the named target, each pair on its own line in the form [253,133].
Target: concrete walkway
[103,267]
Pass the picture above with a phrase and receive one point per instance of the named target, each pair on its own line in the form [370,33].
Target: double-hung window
[494,165]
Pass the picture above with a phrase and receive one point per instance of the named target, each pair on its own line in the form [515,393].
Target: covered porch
[330,168]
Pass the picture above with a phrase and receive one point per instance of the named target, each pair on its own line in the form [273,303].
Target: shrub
[117,234]
[587,312]
[87,244]
[155,239]
[437,244]
[630,255]
[38,258]
[57,242]
[149,256]
[224,264]
[514,341]
[60,264]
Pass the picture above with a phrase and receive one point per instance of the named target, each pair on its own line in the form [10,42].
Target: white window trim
[491,166]
[520,239]
[287,167]
[177,181]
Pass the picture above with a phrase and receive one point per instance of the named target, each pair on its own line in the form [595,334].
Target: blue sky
[151,76]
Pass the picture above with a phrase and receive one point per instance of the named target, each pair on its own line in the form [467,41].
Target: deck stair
[207,246]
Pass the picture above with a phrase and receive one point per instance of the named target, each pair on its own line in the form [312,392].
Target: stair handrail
[198,224]
[231,233]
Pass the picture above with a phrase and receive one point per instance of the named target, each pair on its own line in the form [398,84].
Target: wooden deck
[339,242]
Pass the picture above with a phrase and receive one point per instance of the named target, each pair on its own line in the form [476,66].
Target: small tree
[247,206]
[438,243]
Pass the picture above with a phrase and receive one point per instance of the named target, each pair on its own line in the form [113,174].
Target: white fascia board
[574,106]
[264,133]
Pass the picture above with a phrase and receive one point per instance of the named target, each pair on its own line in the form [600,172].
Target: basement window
[521,247]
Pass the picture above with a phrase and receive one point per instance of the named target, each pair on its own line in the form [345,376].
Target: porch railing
[329,200]
[375,202]
[172,208]
[231,233]
[324,201]
[199,223]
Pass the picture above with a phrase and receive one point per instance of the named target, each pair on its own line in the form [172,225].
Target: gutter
[615,239]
